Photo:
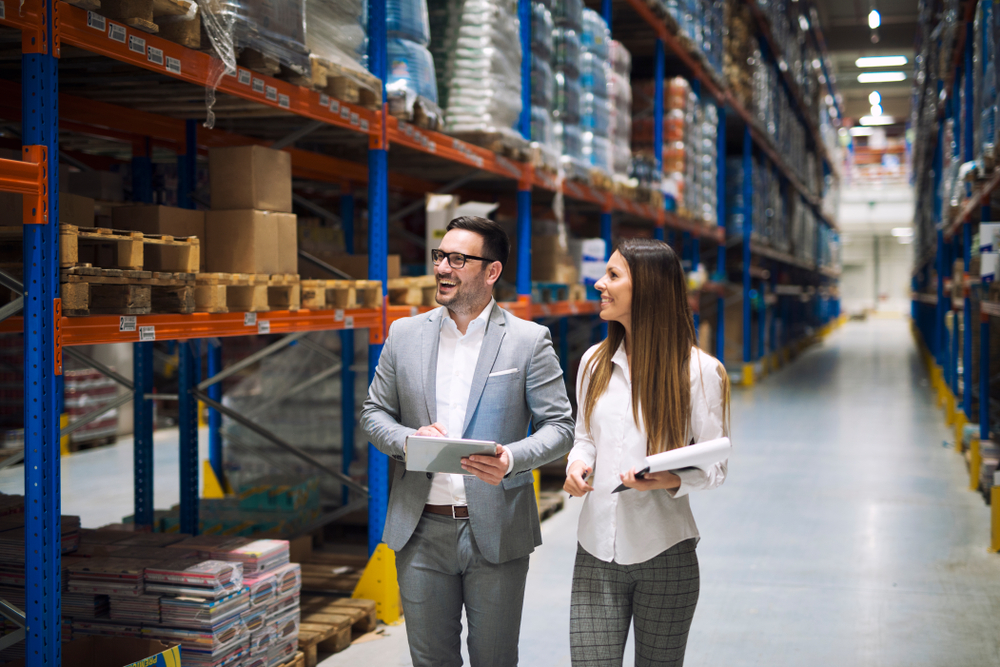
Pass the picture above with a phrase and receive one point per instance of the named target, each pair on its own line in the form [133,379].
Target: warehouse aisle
[843,536]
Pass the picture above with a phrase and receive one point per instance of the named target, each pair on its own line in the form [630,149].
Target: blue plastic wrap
[541,30]
[567,51]
[569,139]
[407,19]
[410,72]
[568,13]
[596,151]
[595,114]
[594,74]
[541,126]
[543,83]
[595,36]
[567,103]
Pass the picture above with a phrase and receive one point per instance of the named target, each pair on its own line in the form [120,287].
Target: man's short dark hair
[496,244]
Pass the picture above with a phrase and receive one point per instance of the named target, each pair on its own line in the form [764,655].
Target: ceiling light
[803,23]
[874,98]
[876,110]
[902,231]
[877,120]
[861,131]
[874,20]
[881,61]
[881,77]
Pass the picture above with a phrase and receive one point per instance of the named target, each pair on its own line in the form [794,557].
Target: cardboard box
[165,220]
[241,242]
[76,210]
[288,243]
[101,185]
[355,266]
[117,652]
[250,177]
[551,261]
[588,257]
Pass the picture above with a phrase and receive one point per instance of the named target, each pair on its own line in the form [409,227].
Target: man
[467,370]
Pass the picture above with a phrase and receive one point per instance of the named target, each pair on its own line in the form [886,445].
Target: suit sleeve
[551,415]
[380,412]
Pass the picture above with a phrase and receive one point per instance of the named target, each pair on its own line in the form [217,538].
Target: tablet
[429,454]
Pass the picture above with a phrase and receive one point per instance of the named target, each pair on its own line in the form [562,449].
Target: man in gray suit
[467,370]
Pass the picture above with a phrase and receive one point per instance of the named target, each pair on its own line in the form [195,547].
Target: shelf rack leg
[215,454]
[658,64]
[142,414]
[658,233]
[43,506]
[378,248]
[747,231]
[142,171]
[524,242]
[720,269]
[984,377]
[953,362]
[187,426]
[347,355]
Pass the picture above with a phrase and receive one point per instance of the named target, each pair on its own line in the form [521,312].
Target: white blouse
[634,526]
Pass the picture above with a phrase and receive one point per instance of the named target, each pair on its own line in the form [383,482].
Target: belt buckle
[455,516]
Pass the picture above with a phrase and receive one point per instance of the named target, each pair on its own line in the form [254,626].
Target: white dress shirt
[458,355]
[634,526]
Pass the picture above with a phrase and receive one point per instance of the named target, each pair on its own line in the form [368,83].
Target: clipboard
[428,454]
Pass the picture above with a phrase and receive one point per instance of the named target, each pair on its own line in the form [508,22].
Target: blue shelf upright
[348,417]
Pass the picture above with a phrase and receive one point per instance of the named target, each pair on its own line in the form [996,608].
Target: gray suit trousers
[439,568]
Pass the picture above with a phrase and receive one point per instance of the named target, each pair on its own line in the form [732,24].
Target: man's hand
[435,430]
[651,480]
[490,469]
[576,480]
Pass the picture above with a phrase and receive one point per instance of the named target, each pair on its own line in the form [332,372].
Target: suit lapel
[495,330]
[428,359]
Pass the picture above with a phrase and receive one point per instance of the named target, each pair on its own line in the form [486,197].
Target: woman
[645,389]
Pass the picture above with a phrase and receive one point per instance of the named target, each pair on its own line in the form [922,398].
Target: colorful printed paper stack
[142,609]
[211,579]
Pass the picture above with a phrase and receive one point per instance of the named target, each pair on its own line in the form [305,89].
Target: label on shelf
[3,11]
[258,85]
[147,334]
[324,100]
[136,44]
[414,311]
[264,327]
[364,125]
[573,308]
[338,315]
[249,319]
[283,101]
[354,118]
[116,32]
[154,55]
[345,113]
[126,323]
[244,77]
[173,65]
[96,21]
[271,93]
[349,322]
[335,106]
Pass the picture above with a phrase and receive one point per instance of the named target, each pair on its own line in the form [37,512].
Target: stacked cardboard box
[165,220]
[251,227]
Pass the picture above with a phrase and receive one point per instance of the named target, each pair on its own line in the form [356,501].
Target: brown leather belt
[454,511]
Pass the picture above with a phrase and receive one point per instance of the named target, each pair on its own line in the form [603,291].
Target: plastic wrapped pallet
[481,52]
[620,91]
[595,107]
[336,36]
[543,83]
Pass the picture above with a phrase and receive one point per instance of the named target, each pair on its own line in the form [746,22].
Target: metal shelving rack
[47,25]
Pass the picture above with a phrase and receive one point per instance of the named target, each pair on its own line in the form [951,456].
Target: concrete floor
[843,536]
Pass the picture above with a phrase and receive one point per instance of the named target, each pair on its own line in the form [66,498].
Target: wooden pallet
[502,143]
[246,292]
[348,85]
[128,248]
[328,579]
[549,502]
[601,180]
[424,114]
[577,292]
[330,294]
[328,625]
[90,5]
[87,290]
[298,660]
[140,14]
[417,291]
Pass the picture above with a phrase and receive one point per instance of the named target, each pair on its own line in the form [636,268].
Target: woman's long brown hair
[662,338]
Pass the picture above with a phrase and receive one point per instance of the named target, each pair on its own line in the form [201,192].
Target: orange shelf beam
[20,177]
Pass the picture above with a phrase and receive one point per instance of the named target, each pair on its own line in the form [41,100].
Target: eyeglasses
[455,259]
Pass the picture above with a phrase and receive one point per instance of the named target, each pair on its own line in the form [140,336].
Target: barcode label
[96,21]
[137,44]
[364,125]
[283,101]
[147,334]
[349,322]
[3,11]
[116,32]
[249,319]
[126,323]
[345,113]
[324,100]
[354,119]
[154,55]
[335,106]
[244,77]
[264,327]
[258,85]
[338,315]
[173,65]
[271,93]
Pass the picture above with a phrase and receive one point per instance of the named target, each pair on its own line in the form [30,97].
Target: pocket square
[506,372]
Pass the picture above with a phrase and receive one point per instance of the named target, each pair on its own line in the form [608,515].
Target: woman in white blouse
[643,390]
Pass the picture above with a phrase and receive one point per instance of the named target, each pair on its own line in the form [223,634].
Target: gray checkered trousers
[659,594]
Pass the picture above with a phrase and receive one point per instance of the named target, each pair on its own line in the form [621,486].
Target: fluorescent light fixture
[862,131]
[803,23]
[881,61]
[874,98]
[874,20]
[902,231]
[876,120]
[876,110]
[905,240]
[881,77]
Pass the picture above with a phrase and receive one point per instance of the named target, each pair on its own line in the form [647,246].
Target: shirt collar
[480,320]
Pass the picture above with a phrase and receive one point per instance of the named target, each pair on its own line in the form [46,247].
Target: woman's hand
[651,480]
[576,480]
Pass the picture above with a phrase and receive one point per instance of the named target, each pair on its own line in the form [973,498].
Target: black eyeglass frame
[438,255]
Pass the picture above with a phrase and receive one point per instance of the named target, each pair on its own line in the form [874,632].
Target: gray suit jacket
[402,398]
